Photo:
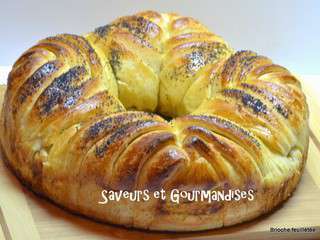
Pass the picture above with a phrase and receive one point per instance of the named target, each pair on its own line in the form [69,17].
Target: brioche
[154,101]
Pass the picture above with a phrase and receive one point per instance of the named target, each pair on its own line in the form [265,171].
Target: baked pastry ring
[83,114]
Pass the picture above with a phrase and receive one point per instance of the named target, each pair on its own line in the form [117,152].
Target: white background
[286,31]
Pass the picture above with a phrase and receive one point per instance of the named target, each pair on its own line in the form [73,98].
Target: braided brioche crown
[154,101]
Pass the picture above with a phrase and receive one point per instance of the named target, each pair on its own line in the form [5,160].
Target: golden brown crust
[76,120]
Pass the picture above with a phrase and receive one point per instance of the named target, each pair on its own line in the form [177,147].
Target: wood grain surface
[24,215]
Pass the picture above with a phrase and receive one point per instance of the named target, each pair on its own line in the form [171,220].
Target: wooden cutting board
[24,215]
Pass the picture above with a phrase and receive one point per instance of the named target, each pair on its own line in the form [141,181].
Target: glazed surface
[87,113]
